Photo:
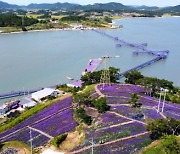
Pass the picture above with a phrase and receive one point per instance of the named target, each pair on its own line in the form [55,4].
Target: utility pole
[31,140]
[105,76]
[159,99]
[92,142]
[165,91]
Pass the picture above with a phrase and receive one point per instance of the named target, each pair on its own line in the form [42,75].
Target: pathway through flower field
[117,94]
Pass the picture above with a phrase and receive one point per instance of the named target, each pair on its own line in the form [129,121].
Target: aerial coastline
[91,78]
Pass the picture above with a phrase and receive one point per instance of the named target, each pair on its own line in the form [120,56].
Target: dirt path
[98,91]
[111,142]
[112,126]
[127,117]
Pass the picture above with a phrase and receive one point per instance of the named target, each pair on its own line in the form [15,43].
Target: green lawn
[17,145]
[157,148]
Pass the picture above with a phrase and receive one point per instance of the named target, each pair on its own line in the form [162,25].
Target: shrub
[56,141]
[80,113]
[101,105]
[170,144]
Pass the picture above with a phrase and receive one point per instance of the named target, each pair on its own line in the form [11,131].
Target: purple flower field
[61,123]
[108,119]
[53,125]
[133,145]
[42,114]
[117,95]
[117,100]
[151,114]
[24,136]
[121,90]
[109,134]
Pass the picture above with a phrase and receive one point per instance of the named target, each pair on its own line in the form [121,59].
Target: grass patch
[157,147]
[10,29]
[89,89]
[24,148]
[57,17]
[34,15]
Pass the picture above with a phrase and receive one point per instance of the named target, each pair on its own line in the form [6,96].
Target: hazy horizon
[159,3]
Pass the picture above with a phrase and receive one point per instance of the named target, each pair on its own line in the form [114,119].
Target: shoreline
[44,30]
[72,29]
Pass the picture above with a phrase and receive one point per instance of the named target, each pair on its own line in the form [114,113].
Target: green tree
[80,113]
[134,101]
[161,127]
[56,141]
[82,99]
[94,77]
[133,76]
[101,105]
[170,144]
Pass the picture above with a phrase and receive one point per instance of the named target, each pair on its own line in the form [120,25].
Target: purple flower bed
[42,114]
[40,141]
[61,123]
[121,90]
[109,134]
[24,136]
[151,114]
[146,101]
[108,119]
[175,115]
[133,145]
[116,100]
[125,110]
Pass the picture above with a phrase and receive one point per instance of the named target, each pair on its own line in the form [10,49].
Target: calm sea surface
[41,59]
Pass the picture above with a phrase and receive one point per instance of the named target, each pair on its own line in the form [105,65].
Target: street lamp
[161,90]
[165,91]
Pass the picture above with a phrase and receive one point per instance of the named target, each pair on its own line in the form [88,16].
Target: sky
[160,3]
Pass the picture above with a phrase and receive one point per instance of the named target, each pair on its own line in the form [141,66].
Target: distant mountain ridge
[148,8]
[4,5]
[97,6]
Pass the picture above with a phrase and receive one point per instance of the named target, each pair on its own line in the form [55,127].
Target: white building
[42,94]
[3,109]
[27,102]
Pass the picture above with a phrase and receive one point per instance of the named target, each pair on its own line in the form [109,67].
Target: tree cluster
[155,84]
[161,127]
[80,113]
[15,21]
[134,101]
[95,77]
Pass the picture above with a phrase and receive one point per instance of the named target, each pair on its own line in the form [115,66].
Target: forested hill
[15,21]
[112,6]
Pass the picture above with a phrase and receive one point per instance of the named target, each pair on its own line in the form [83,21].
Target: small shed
[27,102]
[4,109]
